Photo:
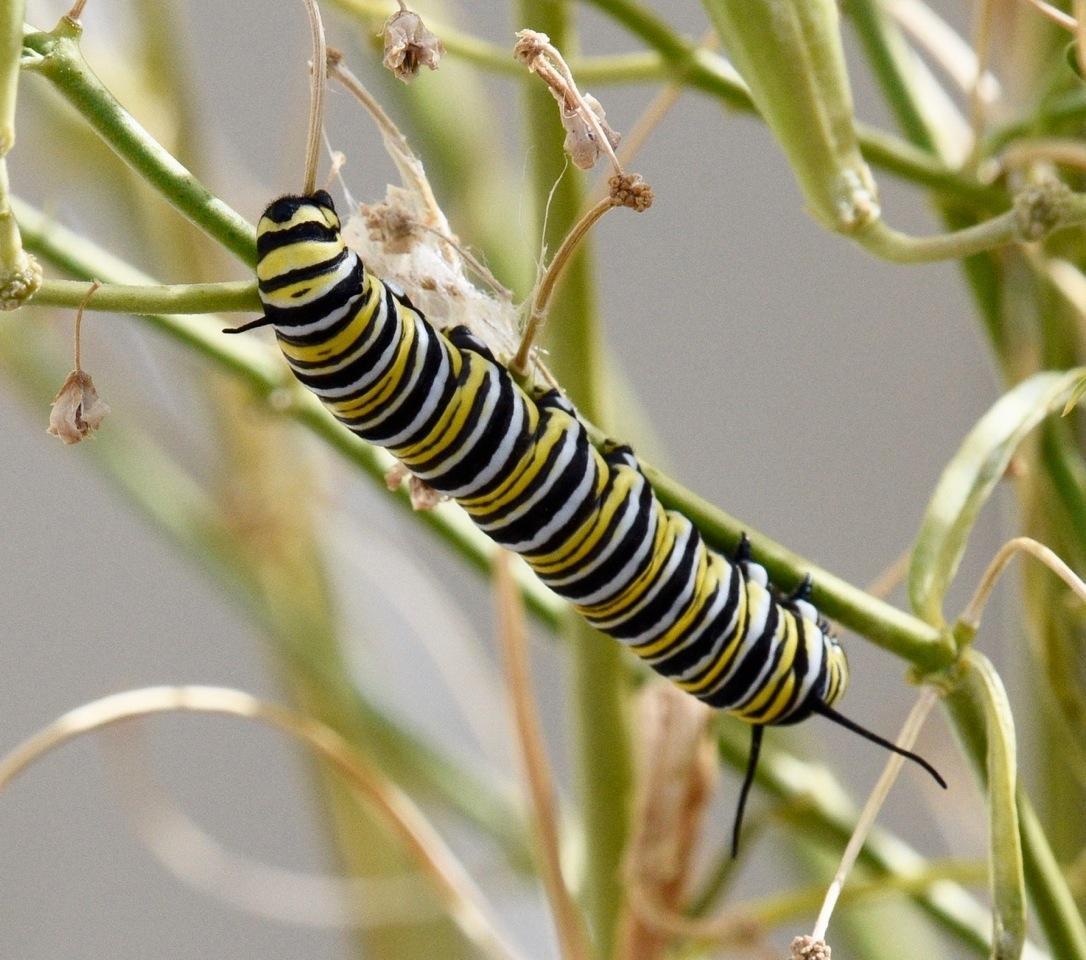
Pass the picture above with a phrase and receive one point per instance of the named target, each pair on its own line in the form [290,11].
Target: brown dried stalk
[539,781]
[676,774]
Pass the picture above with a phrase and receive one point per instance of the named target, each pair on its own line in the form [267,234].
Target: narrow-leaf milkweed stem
[970,617]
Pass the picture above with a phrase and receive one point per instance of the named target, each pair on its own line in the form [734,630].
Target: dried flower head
[409,45]
[77,409]
[808,948]
[629,190]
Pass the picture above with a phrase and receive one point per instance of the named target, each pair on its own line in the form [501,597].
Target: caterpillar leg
[751,570]
[803,591]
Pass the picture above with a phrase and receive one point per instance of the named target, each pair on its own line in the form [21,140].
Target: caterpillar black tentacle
[521,465]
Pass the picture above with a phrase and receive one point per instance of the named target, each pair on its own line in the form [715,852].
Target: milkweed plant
[628,859]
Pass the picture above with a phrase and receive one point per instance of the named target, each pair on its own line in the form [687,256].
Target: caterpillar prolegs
[586,521]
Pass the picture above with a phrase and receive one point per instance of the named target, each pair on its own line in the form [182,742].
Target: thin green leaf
[1006,874]
[1076,395]
[968,481]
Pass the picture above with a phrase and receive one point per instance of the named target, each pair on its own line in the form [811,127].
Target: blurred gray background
[820,394]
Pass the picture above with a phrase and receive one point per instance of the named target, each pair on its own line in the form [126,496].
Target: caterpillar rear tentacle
[521,465]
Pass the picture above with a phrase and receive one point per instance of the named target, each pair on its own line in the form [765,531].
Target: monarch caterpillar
[586,521]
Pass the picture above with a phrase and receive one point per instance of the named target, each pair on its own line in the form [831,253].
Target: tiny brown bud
[409,45]
[77,409]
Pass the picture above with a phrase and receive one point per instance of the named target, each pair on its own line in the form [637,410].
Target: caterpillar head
[302,261]
[291,211]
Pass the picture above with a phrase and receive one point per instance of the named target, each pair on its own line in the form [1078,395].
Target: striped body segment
[586,521]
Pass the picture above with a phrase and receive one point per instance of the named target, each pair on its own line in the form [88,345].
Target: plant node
[20,283]
[1040,208]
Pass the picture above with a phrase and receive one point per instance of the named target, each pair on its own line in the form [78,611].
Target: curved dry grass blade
[195,858]
[463,900]
[970,618]
[905,741]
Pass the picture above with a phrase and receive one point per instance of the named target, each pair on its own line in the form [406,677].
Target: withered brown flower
[77,409]
[409,45]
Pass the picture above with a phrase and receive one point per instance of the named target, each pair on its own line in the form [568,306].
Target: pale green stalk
[19,275]
[175,504]
[232,296]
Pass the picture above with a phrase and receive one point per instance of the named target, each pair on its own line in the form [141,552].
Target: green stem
[886,626]
[707,71]
[633,67]
[893,245]
[890,57]
[19,274]
[599,676]
[232,296]
[11,32]
[1045,883]
[57,57]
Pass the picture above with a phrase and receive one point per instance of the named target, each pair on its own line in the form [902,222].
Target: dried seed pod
[581,143]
